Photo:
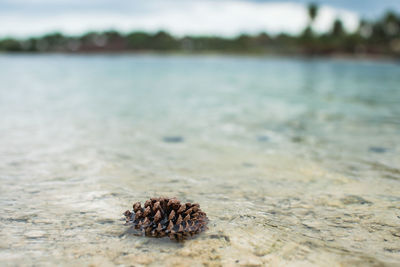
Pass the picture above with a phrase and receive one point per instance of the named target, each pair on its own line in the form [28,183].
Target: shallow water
[296,162]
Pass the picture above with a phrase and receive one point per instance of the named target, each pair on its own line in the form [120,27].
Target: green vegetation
[380,37]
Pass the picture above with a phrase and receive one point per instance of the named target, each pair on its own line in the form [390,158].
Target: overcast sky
[23,18]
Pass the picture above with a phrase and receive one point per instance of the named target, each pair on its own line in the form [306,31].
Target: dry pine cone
[167,217]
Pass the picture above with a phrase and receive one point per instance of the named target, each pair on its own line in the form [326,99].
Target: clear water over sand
[296,162]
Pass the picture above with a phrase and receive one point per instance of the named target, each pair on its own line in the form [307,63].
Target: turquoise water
[295,161]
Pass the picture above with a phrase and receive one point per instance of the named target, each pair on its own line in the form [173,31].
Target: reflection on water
[294,161]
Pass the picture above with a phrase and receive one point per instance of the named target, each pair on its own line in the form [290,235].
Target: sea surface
[295,161]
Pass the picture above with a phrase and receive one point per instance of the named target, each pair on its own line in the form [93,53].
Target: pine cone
[167,217]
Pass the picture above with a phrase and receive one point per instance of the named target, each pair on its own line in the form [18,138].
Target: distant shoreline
[373,40]
[335,56]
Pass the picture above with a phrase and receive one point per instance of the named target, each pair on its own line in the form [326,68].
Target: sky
[23,18]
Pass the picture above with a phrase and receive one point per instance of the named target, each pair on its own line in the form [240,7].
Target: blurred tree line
[379,37]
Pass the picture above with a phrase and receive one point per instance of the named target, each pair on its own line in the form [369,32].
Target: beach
[295,161]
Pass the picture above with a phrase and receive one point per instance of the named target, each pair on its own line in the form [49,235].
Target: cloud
[207,17]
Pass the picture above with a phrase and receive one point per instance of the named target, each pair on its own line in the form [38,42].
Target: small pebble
[262,138]
[377,149]
[35,234]
[352,199]
[173,139]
